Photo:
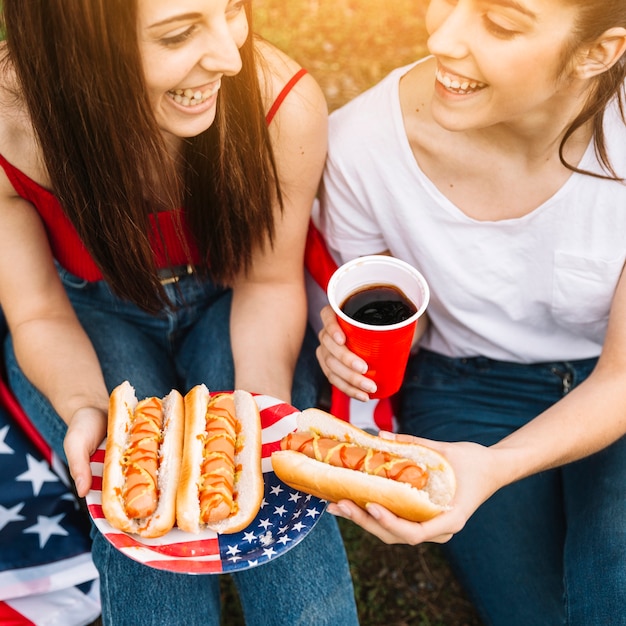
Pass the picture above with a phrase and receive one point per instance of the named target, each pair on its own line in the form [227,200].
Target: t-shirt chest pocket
[582,292]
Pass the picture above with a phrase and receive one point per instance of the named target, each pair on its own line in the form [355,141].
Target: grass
[347,45]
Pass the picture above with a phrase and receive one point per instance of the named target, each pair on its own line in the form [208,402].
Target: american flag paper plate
[285,518]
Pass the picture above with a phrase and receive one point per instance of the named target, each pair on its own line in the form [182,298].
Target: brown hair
[80,75]
[594,18]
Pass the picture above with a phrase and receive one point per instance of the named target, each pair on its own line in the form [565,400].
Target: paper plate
[285,518]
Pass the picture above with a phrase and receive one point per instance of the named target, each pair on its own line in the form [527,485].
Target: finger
[439,446]
[78,461]
[391,529]
[350,511]
[330,349]
[344,378]
[439,529]
[84,434]
[331,326]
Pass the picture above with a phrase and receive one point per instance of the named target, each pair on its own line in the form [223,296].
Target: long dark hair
[594,18]
[80,76]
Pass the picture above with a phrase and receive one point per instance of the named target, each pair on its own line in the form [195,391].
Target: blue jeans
[549,549]
[185,345]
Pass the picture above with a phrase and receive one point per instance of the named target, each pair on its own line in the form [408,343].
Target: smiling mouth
[458,84]
[191,97]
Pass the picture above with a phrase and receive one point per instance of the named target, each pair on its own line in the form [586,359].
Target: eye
[178,37]
[499,30]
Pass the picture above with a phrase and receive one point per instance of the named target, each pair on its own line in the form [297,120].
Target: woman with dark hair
[497,167]
[159,164]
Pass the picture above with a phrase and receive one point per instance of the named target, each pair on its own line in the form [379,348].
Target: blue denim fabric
[187,344]
[547,550]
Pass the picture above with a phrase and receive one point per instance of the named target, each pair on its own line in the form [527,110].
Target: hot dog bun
[335,483]
[122,405]
[248,480]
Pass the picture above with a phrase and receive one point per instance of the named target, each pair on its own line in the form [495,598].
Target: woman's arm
[269,309]
[50,344]
[586,420]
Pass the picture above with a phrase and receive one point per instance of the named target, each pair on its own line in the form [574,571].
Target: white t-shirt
[532,289]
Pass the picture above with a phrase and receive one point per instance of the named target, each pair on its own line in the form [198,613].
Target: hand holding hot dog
[478,477]
[334,460]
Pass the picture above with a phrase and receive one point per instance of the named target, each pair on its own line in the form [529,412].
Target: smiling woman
[496,166]
[151,220]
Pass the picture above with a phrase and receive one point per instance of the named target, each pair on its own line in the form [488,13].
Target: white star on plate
[283,529]
[4,448]
[312,513]
[280,510]
[234,559]
[294,496]
[10,515]
[269,552]
[38,473]
[232,550]
[263,503]
[46,527]
[276,489]
[299,526]
[284,540]
[253,563]
[264,523]
[249,537]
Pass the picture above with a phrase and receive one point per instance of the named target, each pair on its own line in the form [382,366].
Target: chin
[454,120]
[189,126]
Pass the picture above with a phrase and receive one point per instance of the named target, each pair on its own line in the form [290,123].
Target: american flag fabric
[46,573]
[374,415]
[285,518]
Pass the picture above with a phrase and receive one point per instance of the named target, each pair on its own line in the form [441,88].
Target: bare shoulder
[276,69]
[17,139]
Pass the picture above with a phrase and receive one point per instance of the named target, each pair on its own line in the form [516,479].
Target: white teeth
[458,85]
[189,97]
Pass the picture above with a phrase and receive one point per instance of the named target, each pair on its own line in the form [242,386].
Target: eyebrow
[512,4]
[175,18]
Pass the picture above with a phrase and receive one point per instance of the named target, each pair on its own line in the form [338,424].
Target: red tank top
[66,245]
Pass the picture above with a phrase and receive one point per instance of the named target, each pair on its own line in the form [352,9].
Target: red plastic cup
[386,348]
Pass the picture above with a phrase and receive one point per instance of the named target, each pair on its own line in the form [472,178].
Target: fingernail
[79,482]
[345,512]
[359,366]
[373,511]
[369,386]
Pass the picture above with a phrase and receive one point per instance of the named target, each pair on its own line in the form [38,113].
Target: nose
[221,49]
[449,31]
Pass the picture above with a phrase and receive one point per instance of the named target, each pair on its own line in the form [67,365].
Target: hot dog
[142,461]
[334,460]
[221,482]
